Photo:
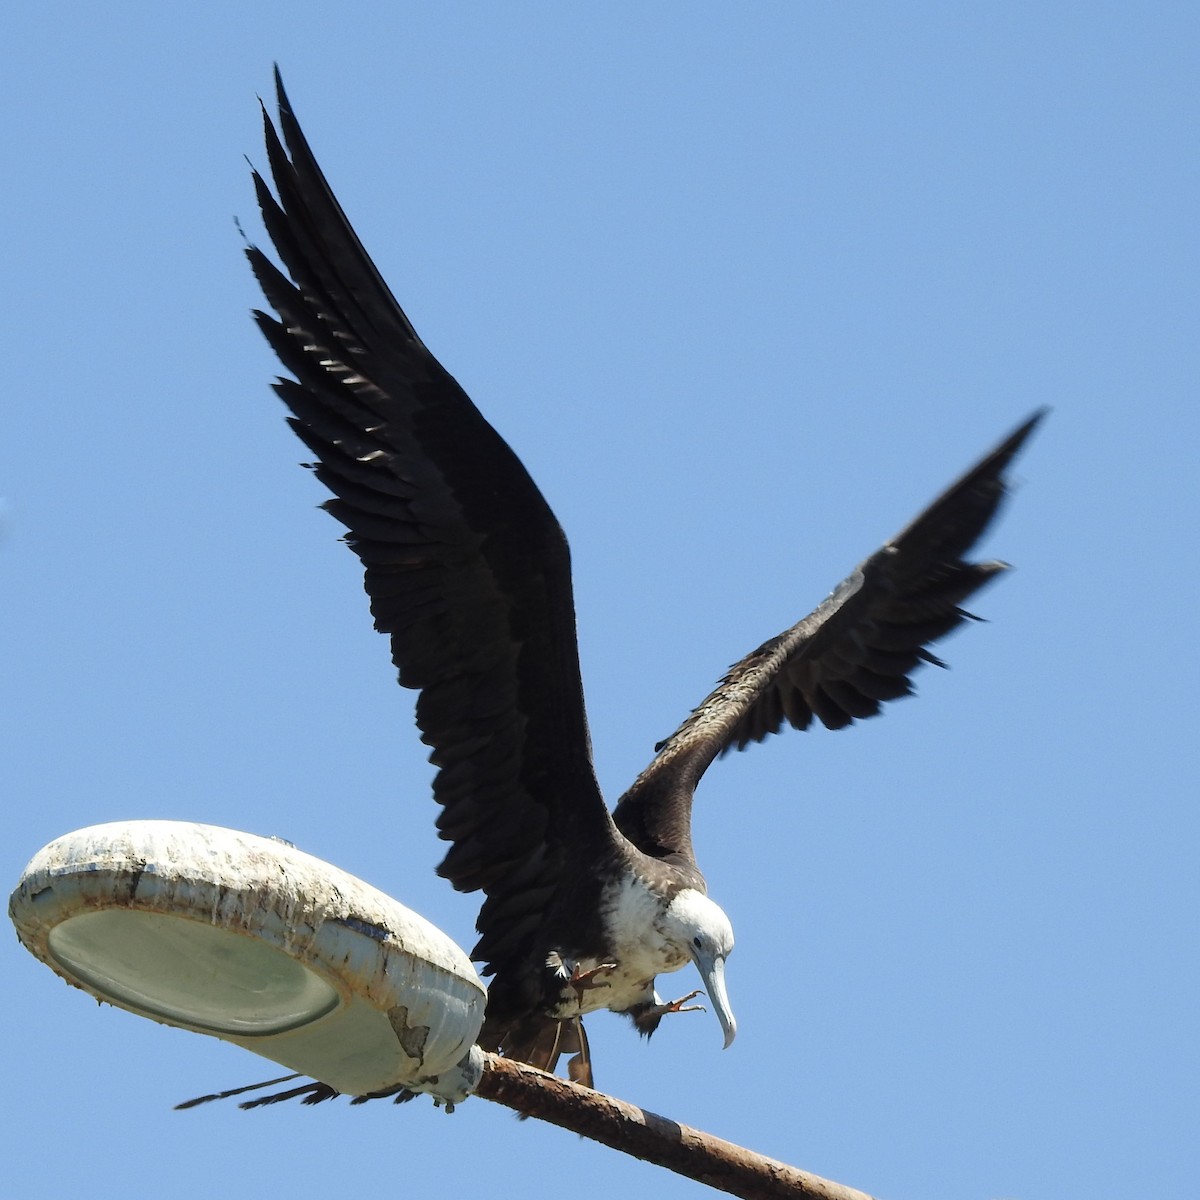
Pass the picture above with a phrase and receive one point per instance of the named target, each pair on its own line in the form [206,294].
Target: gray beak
[712,975]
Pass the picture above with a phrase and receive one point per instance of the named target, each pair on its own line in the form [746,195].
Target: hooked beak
[712,975]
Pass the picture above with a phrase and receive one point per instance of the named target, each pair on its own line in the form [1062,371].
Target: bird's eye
[696,941]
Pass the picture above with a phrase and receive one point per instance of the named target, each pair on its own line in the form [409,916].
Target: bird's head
[694,923]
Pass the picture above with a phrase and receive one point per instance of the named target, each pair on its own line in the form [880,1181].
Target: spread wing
[858,649]
[467,570]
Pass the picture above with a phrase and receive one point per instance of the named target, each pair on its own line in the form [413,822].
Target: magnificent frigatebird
[468,574]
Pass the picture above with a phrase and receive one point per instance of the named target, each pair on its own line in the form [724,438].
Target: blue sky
[744,288]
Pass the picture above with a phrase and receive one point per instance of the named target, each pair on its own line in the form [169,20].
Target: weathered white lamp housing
[250,940]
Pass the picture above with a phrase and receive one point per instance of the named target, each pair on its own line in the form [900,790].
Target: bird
[468,574]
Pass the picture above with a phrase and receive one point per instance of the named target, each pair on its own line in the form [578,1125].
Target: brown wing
[467,571]
[839,664]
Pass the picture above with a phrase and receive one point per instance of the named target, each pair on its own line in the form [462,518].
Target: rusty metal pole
[655,1139]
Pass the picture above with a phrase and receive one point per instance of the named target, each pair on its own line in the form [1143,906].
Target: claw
[680,1005]
[583,981]
[646,1017]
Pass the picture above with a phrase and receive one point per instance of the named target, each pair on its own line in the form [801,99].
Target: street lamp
[253,941]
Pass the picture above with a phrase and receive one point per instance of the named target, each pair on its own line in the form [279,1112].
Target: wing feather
[466,568]
[855,652]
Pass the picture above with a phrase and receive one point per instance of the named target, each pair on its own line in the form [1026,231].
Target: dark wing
[839,664]
[467,570]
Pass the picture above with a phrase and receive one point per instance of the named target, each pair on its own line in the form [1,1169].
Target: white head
[695,924]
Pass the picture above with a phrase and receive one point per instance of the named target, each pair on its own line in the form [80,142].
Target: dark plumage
[468,574]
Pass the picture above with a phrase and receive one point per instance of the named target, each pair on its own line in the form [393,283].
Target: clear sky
[744,285]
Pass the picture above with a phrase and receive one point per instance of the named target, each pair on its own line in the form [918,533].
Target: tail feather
[541,1041]
[237,1091]
[312,1092]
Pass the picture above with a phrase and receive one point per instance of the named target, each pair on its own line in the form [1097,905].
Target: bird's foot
[577,979]
[584,981]
[680,1005]
[645,1017]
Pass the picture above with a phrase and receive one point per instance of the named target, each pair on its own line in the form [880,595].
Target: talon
[680,1005]
[582,981]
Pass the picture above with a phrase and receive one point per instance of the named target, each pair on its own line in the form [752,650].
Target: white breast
[633,919]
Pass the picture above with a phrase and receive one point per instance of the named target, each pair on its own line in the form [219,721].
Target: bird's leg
[645,1017]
